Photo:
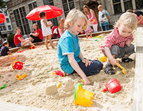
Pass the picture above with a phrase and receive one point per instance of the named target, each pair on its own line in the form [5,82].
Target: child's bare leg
[51,43]
[46,42]
[28,42]
[86,36]
[30,38]
[31,43]
[90,35]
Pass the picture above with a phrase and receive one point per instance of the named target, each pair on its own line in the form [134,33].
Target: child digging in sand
[69,54]
[118,43]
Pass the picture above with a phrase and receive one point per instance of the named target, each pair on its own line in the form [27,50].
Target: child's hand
[49,23]
[86,82]
[87,62]
[128,42]
[113,61]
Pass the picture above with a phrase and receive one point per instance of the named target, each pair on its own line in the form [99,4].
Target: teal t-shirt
[67,44]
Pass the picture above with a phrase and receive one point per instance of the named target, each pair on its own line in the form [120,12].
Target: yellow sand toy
[99,36]
[83,97]
[13,58]
[124,71]
[59,84]
[103,58]
[20,76]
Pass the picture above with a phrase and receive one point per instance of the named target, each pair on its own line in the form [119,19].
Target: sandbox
[39,88]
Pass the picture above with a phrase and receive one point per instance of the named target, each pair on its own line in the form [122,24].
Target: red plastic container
[113,86]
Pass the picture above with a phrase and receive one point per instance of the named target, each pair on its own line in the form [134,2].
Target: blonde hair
[128,19]
[17,28]
[72,17]
[100,6]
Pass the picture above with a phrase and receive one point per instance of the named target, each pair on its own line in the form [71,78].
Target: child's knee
[132,48]
[115,50]
[98,65]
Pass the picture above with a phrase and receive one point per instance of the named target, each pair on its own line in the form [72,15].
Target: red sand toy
[32,47]
[59,73]
[20,51]
[113,86]
[17,65]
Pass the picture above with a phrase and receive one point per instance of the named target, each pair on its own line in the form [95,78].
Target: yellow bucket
[83,97]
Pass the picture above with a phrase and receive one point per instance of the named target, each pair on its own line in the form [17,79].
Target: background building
[6,27]
[18,9]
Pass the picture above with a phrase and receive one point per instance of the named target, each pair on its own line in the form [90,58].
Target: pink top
[92,17]
[141,22]
[115,39]
[88,30]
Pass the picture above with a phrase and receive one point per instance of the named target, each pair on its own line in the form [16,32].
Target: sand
[39,88]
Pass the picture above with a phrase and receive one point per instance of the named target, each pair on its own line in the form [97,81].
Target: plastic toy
[32,47]
[3,86]
[13,58]
[20,77]
[99,36]
[124,71]
[103,59]
[20,51]
[81,80]
[83,97]
[17,65]
[113,86]
[59,84]
[59,73]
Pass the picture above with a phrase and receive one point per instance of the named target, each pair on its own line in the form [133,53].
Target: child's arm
[46,23]
[84,60]
[111,59]
[34,34]
[81,56]
[76,67]
[140,19]
[128,43]
[21,39]
[107,15]
[92,14]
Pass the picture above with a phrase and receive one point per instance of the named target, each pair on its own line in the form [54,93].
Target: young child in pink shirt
[118,43]
[88,31]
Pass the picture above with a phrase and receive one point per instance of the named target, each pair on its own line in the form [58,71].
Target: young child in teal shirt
[69,54]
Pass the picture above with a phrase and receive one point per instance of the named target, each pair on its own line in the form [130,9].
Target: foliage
[10,40]
[2,4]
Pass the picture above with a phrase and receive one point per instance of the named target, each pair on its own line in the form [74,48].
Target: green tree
[2,4]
